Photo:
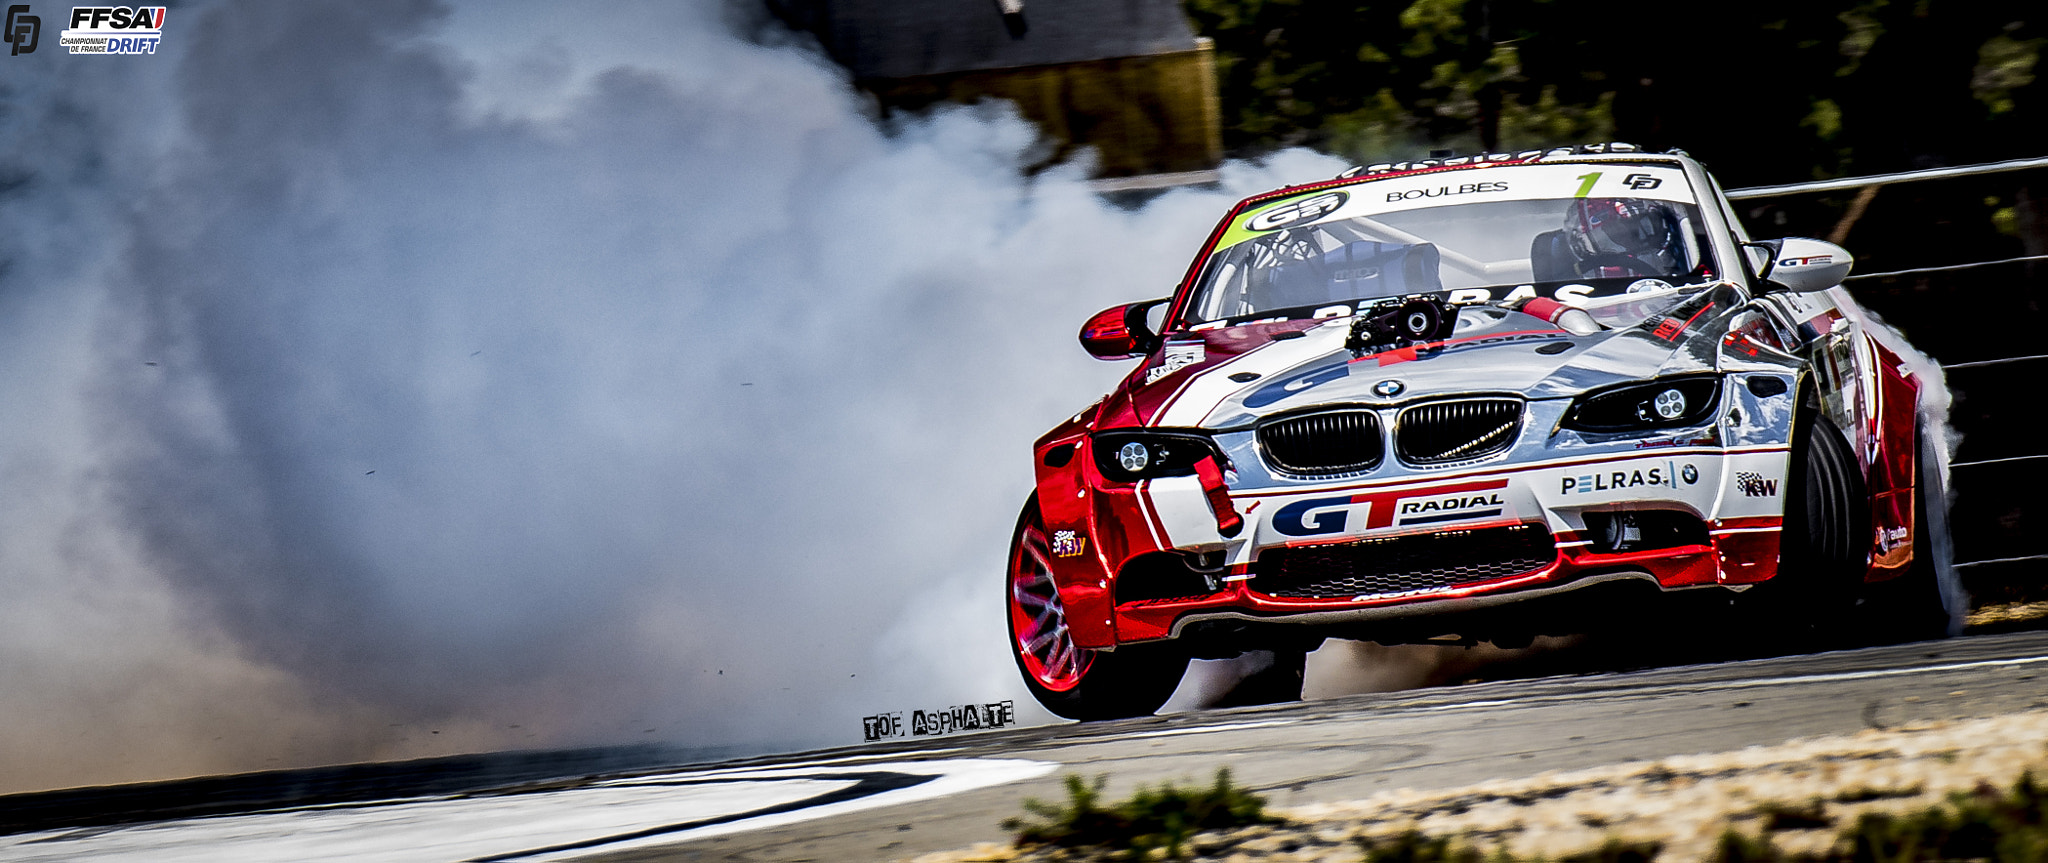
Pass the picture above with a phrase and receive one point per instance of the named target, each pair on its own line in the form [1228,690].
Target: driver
[1615,237]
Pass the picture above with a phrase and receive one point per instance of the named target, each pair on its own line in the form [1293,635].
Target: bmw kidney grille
[1331,442]
[1457,431]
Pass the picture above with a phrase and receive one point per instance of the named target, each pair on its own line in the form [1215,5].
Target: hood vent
[1320,444]
[1457,431]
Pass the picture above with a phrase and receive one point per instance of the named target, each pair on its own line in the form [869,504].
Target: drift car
[1480,398]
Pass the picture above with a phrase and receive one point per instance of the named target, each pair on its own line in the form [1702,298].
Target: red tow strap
[1228,522]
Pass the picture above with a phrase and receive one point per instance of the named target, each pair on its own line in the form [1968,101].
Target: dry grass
[1801,794]
[2007,616]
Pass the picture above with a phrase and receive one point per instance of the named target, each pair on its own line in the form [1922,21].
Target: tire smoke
[387,380]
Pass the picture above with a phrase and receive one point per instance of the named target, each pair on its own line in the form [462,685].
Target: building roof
[910,38]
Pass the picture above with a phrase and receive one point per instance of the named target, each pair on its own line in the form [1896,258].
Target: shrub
[1163,817]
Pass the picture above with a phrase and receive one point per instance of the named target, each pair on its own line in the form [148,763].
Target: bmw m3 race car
[1484,398]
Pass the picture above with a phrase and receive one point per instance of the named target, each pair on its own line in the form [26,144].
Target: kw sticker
[1754,484]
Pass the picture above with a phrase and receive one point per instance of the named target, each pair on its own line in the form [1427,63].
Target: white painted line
[1882,672]
[1754,683]
[1175,732]
[908,755]
[539,826]
[1493,703]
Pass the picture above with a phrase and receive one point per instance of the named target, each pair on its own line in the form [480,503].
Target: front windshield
[1565,230]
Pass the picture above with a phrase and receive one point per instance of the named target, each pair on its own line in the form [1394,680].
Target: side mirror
[1799,264]
[1120,333]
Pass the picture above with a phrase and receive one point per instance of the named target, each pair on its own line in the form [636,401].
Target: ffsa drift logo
[114,29]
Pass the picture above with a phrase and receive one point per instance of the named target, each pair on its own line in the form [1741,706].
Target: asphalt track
[896,800]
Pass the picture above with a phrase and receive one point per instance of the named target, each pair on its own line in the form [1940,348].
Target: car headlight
[1660,404]
[1129,456]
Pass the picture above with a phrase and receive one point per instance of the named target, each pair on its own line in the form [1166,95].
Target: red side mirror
[1119,333]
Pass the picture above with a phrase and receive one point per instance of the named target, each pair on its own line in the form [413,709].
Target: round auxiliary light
[1134,456]
[1670,404]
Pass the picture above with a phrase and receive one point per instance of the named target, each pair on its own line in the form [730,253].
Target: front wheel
[1070,680]
[1823,544]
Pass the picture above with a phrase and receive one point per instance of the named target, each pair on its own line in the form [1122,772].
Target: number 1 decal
[1587,187]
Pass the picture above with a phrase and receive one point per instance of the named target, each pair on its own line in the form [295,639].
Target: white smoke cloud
[386,381]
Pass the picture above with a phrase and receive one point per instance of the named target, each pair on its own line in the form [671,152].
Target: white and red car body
[1534,518]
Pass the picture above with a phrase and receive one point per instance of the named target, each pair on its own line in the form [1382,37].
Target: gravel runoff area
[1685,803]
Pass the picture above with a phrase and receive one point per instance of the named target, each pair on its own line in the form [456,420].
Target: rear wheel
[1070,680]
[1927,602]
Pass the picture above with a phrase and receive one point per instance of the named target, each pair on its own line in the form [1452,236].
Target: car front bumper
[1444,528]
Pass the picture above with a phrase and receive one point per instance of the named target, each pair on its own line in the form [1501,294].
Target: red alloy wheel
[1038,622]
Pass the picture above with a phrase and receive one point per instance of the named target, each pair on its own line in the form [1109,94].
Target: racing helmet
[1600,229]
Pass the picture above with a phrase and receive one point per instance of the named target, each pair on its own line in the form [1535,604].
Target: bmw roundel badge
[1388,389]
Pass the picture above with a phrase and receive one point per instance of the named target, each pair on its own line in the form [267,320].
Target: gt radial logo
[1452,508]
[1320,516]
[114,29]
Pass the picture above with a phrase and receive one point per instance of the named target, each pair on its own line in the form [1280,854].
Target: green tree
[1766,92]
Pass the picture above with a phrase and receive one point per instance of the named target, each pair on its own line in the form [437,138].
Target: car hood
[1232,378]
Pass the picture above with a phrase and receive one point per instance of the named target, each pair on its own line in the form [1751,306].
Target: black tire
[1277,683]
[1825,543]
[1072,681]
[1928,602]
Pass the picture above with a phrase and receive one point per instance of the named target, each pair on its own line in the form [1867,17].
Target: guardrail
[1948,268]
[1886,179]
[1992,484]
